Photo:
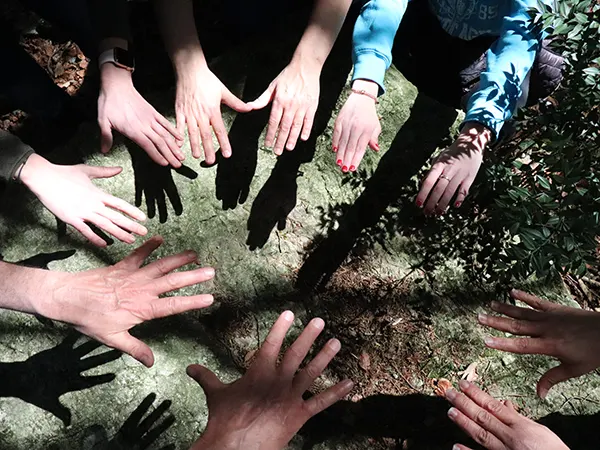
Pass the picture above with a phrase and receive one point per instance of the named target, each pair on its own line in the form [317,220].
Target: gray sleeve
[13,153]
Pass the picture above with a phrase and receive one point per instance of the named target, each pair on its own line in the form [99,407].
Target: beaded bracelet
[363,92]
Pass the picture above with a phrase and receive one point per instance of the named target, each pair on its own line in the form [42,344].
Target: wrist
[218,440]
[368,86]
[111,75]
[31,170]
[188,61]
[477,134]
[307,60]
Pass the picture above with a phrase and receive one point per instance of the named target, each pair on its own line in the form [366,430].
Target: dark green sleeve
[110,18]
[13,153]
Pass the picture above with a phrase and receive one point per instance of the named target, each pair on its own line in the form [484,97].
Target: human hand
[264,409]
[198,104]
[69,194]
[454,170]
[356,127]
[569,334]
[106,303]
[44,377]
[497,425]
[295,97]
[155,183]
[122,108]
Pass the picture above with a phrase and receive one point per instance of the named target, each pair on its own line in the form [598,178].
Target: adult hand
[295,97]
[106,303]
[198,104]
[569,334]
[122,108]
[67,191]
[454,170]
[497,425]
[357,127]
[264,409]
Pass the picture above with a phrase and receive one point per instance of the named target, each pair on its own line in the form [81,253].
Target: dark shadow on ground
[414,144]
[44,377]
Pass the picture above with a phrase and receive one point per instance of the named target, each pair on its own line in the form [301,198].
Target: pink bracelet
[363,92]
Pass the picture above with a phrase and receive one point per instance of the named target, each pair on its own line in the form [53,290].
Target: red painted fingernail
[457,204]
[335,149]
[419,203]
[352,168]
[344,169]
[376,147]
[339,162]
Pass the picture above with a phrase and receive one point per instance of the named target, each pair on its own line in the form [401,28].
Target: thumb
[204,377]
[101,172]
[233,102]
[374,141]
[134,348]
[264,99]
[554,376]
[106,137]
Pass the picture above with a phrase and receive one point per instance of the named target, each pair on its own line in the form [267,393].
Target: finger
[460,447]
[309,120]
[136,416]
[443,183]
[154,416]
[106,137]
[460,197]
[450,191]
[133,347]
[178,280]
[84,348]
[152,435]
[350,149]
[173,194]
[100,172]
[516,312]
[264,99]
[221,133]
[207,380]
[337,134]
[297,124]
[180,119]
[207,141]
[54,406]
[273,125]
[301,346]
[533,301]
[150,148]
[137,257]
[525,346]
[429,183]
[94,380]
[165,265]
[516,327]
[194,133]
[284,130]
[112,229]
[481,436]
[169,127]
[315,368]
[374,141]
[98,360]
[361,148]
[89,234]
[235,103]
[347,130]
[169,141]
[488,403]
[123,222]
[124,207]
[170,306]
[325,399]
[556,375]
[269,351]
[161,144]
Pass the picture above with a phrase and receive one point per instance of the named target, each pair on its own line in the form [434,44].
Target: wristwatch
[119,57]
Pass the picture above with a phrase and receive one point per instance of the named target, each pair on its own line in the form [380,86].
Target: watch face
[124,58]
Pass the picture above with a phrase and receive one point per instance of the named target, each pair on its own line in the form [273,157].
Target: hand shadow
[135,434]
[44,377]
[156,184]
[61,231]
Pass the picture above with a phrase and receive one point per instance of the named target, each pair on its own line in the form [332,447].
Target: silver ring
[445,177]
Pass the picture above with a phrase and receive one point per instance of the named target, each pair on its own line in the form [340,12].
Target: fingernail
[455,447]
[348,384]
[190,254]
[464,384]
[482,318]
[419,203]
[451,394]
[457,204]
[352,168]
[489,341]
[452,413]
[376,147]
[288,315]
[146,360]
[335,149]
[494,304]
[344,169]
[209,272]
[335,345]
[339,162]
[514,292]
[318,323]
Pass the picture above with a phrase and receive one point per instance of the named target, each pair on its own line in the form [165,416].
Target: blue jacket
[509,59]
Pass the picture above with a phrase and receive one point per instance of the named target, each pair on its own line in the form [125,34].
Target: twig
[591,281]
[404,378]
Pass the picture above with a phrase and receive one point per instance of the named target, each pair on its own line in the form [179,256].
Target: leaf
[364,362]
[440,386]
[470,373]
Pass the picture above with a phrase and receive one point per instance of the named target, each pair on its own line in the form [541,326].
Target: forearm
[178,29]
[22,288]
[325,24]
